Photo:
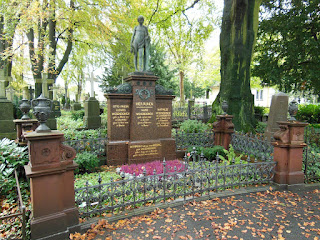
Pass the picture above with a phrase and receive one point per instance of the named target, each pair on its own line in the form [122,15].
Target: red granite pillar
[50,170]
[223,129]
[288,153]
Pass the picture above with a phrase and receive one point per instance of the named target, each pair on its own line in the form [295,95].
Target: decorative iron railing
[19,216]
[96,145]
[194,111]
[311,154]
[252,145]
[194,180]
[201,139]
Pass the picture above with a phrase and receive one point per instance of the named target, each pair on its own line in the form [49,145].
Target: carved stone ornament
[224,106]
[160,90]
[293,109]
[125,88]
[282,135]
[25,108]
[68,153]
[42,108]
[144,93]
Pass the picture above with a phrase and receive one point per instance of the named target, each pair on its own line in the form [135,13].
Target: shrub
[309,113]
[209,153]
[194,126]
[260,127]
[87,162]
[77,115]
[259,110]
[66,122]
[11,157]
[71,134]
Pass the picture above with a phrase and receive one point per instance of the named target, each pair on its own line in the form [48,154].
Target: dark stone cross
[31,91]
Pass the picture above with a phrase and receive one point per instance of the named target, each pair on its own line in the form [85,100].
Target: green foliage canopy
[287,50]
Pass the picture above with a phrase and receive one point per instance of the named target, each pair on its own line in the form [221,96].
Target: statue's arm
[133,35]
[147,38]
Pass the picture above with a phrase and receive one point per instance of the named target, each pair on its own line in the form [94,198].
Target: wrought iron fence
[12,218]
[252,145]
[311,154]
[201,139]
[96,145]
[193,180]
[90,144]
[194,111]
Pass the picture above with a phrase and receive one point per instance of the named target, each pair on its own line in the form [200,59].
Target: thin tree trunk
[237,39]
[181,75]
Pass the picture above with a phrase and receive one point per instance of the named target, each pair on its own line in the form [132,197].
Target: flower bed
[151,168]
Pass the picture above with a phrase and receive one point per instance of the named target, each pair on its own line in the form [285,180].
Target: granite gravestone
[139,121]
[278,112]
[7,126]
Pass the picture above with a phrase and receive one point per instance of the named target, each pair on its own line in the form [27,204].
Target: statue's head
[140,19]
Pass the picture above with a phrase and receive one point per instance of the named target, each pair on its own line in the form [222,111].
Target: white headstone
[92,80]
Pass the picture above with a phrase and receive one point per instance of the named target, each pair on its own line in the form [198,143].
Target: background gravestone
[278,112]
[92,119]
[7,126]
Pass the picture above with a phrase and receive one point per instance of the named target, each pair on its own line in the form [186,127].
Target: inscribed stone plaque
[278,112]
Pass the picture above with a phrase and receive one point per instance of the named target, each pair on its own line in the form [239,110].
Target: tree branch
[154,12]
[177,11]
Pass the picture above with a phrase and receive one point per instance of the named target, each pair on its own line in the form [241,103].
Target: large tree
[184,29]
[55,27]
[288,46]
[237,39]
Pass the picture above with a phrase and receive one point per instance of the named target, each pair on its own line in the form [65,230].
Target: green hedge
[309,113]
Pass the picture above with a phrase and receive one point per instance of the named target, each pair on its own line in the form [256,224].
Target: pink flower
[188,154]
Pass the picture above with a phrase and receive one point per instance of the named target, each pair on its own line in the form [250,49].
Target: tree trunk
[181,74]
[237,39]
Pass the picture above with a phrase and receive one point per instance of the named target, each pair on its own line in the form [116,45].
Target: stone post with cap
[51,173]
[223,128]
[288,150]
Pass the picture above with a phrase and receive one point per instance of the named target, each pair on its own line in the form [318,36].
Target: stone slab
[278,112]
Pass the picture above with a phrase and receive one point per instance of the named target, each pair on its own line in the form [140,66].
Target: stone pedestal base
[7,127]
[125,152]
[117,152]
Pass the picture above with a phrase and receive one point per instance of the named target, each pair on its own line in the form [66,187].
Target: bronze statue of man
[140,46]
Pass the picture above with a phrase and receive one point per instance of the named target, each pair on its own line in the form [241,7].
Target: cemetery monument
[92,119]
[7,127]
[139,112]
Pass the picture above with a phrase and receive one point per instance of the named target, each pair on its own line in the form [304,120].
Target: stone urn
[293,109]
[42,109]
[224,106]
[25,108]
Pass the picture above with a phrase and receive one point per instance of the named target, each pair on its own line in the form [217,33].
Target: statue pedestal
[139,122]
